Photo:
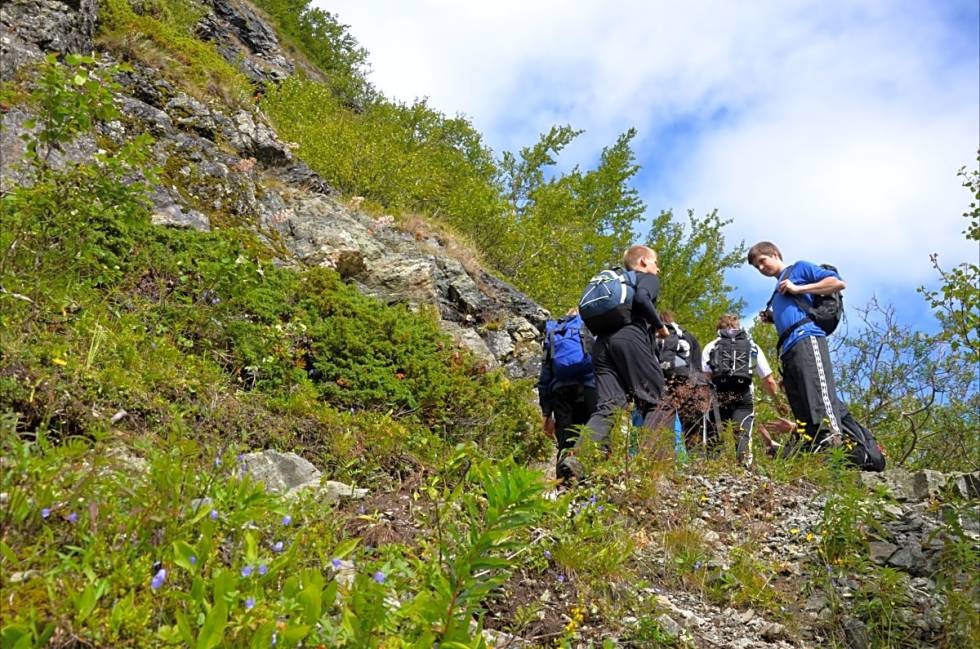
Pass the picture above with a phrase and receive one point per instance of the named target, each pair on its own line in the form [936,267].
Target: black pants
[737,407]
[625,366]
[571,407]
[812,394]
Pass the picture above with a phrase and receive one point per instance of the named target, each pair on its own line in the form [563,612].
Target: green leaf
[295,633]
[85,603]
[183,553]
[224,582]
[213,630]
[251,548]
[311,597]
[184,627]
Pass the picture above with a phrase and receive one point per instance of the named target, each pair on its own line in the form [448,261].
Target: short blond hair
[635,253]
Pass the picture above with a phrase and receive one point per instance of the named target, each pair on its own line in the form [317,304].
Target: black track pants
[625,366]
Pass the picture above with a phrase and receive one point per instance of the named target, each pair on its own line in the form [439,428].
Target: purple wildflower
[277,546]
[263,569]
[275,638]
[247,571]
[599,508]
[547,555]
[217,461]
[45,512]
[592,499]
[214,514]
[287,520]
[158,579]
[335,562]
[72,518]
[193,560]
[561,579]
[379,577]
[697,565]
[249,603]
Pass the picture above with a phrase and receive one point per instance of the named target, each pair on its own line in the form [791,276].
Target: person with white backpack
[729,362]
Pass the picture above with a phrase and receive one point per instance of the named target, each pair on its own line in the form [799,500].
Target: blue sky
[834,129]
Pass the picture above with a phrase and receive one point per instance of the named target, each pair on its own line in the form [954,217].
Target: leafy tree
[563,228]
[693,261]
[911,389]
[957,303]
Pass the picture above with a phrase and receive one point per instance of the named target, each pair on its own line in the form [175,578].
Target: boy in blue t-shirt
[808,377]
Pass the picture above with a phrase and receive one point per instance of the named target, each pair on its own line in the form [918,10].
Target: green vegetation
[159,34]
[326,45]
[139,363]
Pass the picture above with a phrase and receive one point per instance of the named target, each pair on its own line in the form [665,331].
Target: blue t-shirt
[785,310]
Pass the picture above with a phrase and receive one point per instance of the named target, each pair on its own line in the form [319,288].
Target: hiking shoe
[834,440]
[570,470]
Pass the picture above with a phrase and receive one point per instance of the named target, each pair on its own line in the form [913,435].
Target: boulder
[280,472]
[927,484]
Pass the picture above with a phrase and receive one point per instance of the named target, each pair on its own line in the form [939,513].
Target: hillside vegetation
[143,367]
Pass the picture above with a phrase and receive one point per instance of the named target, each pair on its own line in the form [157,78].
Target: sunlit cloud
[834,130]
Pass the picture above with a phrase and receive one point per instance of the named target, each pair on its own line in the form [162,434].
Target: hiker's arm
[549,426]
[826,286]
[644,300]
[770,385]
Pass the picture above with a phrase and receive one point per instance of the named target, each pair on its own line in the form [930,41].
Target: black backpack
[606,305]
[675,352]
[825,311]
[731,361]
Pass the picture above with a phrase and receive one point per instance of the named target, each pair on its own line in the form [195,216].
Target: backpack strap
[789,330]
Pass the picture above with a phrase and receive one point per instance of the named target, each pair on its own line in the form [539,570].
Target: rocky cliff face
[230,163]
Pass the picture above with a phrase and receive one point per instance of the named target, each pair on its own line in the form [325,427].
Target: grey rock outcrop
[245,40]
[31,28]
[230,162]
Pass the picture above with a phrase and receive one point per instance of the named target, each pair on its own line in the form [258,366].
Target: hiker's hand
[549,426]
[787,287]
[662,332]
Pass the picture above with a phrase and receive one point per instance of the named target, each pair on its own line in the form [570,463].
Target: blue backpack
[565,345]
[607,302]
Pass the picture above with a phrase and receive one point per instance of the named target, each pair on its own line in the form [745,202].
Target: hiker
[566,384]
[686,391]
[623,355]
[729,361]
[808,376]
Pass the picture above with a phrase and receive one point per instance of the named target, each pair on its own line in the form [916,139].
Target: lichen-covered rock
[246,41]
[31,28]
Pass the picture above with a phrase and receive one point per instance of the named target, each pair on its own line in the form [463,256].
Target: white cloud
[832,129]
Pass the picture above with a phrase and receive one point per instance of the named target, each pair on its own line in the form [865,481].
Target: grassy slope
[208,346]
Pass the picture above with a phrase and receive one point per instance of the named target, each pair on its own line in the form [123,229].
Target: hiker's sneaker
[570,470]
[833,440]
